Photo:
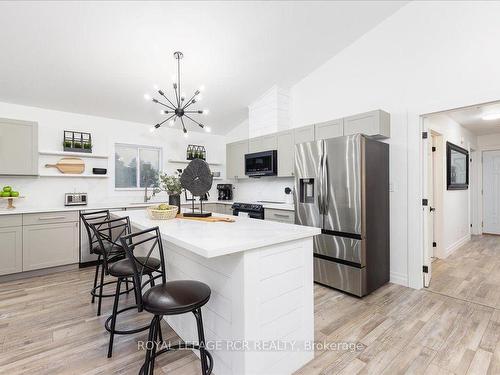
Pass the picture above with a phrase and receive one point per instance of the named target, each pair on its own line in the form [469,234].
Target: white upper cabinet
[264,143]
[286,150]
[329,129]
[18,148]
[235,159]
[374,123]
[304,134]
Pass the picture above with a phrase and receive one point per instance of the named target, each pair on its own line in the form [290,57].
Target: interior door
[491,189]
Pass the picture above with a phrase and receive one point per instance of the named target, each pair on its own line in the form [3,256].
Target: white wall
[456,203]
[427,57]
[49,191]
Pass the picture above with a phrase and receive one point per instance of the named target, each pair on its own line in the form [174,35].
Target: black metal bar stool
[107,253]
[168,298]
[122,270]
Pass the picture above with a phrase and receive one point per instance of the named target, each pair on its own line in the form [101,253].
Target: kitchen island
[260,317]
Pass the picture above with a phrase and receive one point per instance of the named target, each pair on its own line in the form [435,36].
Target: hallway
[471,272]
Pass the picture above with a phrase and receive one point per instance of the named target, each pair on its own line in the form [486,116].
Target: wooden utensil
[211,219]
[69,165]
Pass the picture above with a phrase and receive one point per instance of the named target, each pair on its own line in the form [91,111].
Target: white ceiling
[471,118]
[99,58]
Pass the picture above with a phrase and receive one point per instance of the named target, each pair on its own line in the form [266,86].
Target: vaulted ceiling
[99,58]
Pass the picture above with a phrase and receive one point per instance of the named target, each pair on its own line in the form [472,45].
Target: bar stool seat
[124,268]
[109,249]
[176,297]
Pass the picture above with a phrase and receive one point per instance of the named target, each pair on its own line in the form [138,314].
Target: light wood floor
[471,273]
[48,326]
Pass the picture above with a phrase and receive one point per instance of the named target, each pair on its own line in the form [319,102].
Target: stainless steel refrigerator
[342,187]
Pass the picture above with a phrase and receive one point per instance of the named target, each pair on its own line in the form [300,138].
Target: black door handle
[432,209]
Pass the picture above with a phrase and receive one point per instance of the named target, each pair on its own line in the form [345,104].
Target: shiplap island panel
[261,312]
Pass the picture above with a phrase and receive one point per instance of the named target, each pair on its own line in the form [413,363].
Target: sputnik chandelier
[178,108]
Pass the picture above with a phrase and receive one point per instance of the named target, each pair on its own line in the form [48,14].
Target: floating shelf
[69,175]
[188,161]
[77,154]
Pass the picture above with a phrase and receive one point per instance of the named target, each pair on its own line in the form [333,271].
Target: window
[136,165]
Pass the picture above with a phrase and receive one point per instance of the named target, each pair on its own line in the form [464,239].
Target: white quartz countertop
[213,239]
[96,206]
[21,209]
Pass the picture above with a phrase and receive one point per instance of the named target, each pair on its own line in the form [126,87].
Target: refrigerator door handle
[320,186]
[324,182]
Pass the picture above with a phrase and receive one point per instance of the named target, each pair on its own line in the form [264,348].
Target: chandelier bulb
[199,97]
[160,92]
[154,100]
[206,111]
[207,129]
[197,92]
[175,86]
[147,97]
[185,134]
[156,87]
[202,88]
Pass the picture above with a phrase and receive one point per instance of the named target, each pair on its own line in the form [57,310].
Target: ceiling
[100,58]
[471,118]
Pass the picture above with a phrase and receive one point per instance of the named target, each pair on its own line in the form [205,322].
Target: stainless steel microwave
[260,164]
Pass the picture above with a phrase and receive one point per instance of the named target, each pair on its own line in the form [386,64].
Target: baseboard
[456,245]
[399,278]
[40,272]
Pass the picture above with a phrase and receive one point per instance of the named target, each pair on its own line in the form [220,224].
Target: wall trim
[456,245]
[399,278]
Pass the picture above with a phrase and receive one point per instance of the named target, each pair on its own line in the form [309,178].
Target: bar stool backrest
[93,218]
[150,244]
[108,235]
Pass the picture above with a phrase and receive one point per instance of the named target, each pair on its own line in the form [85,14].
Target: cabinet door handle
[282,215]
[52,217]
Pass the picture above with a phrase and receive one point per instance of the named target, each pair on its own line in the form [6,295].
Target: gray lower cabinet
[235,159]
[18,148]
[281,216]
[286,152]
[11,250]
[53,243]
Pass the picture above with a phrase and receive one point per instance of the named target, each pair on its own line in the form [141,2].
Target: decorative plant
[87,146]
[171,184]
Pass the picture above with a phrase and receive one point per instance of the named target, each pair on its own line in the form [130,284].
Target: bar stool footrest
[124,332]
[181,347]
[95,291]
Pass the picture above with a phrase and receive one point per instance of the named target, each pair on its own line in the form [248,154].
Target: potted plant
[172,185]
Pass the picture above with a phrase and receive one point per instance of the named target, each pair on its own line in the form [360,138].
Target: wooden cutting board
[69,165]
[210,219]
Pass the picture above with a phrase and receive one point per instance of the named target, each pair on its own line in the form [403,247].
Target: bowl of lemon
[162,211]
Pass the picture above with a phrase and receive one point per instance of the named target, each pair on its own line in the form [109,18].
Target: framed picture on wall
[457,167]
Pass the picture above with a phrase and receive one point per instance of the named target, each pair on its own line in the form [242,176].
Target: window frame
[138,147]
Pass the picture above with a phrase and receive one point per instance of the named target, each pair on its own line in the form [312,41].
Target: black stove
[255,211]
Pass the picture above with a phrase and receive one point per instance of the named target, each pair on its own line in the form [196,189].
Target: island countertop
[213,239]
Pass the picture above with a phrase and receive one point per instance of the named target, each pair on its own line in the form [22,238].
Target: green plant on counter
[67,144]
[87,146]
[171,184]
[78,145]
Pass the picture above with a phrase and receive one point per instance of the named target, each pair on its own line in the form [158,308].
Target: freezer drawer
[344,248]
[340,276]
